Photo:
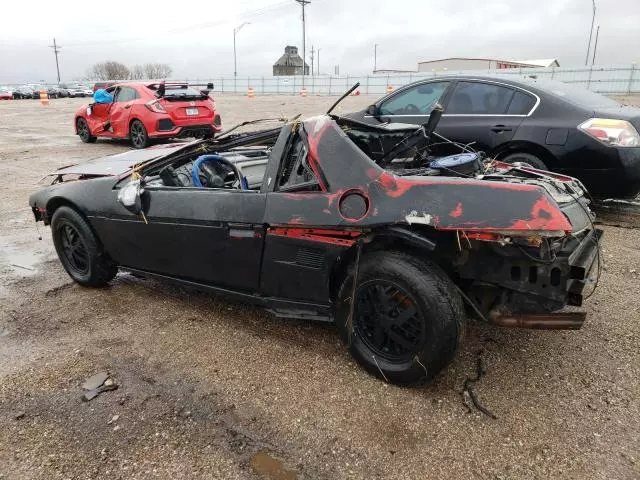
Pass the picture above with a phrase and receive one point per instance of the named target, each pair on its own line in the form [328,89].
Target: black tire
[523,157]
[415,350]
[138,134]
[79,250]
[83,131]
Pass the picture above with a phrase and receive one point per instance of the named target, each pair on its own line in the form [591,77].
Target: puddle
[271,468]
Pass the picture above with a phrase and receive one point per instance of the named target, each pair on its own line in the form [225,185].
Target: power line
[56,50]
[189,28]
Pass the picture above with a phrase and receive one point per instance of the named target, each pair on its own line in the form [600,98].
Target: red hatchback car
[144,112]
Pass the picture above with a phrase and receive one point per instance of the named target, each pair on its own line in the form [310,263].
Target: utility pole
[56,50]
[303,3]
[312,63]
[595,46]
[375,57]
[318,69]
[593,18]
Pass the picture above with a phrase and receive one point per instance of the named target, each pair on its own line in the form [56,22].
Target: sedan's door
[208,235]
[483,115]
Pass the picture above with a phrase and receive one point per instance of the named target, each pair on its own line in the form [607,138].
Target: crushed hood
[119,163]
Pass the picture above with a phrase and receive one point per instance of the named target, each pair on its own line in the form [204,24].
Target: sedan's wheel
[79,250]
[138,134]
[83,131]
[407,317]
[523,157]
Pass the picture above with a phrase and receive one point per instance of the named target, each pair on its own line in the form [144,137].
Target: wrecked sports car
[331,219]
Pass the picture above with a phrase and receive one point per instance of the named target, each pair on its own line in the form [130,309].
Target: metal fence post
[633,67]
[329,84]
[277,85]
[367,87]
[294,86]
[589,80]
[553,72]
[222,85]
[346,87]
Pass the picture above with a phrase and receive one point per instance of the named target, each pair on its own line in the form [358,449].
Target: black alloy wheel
[138,134]
[388,321]
[83,131]
[74,249]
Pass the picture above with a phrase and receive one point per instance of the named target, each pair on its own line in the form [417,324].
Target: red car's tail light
[617,133]
[155,106]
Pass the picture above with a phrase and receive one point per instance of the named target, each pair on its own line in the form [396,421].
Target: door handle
[500,128]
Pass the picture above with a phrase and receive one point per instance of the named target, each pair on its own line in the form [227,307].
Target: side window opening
[477,98]
[295,172]
[418,100]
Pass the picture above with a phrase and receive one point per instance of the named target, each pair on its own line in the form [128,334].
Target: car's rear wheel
[523,157]
[79,250]
[83,131]
[407,317]
[138,134]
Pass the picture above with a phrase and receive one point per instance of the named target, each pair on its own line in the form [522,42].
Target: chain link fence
[605,80]
[623,80]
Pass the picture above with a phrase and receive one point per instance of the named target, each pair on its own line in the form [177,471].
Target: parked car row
[32,91]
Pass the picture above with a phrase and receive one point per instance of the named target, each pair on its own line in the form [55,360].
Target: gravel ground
[214,389]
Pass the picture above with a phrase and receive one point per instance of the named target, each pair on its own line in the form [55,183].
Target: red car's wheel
[138,134]
[83,131]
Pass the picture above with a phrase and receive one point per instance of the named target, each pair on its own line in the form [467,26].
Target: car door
[208,235]
[97,119]
[410,105]
[121,109]
[482,114]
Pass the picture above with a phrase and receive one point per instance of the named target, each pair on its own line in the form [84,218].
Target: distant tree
[109,71]
[157,70]
[137,72]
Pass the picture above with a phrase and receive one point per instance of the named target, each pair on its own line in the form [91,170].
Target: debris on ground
[469,396]
[97,384]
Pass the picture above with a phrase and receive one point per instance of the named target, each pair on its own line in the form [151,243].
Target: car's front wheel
[407,317]
[138,134]
[79,250]
[83,131]
[528,158]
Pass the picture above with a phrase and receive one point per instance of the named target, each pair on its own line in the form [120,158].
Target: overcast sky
[196,38]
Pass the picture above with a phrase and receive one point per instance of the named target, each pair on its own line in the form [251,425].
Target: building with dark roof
[290,63]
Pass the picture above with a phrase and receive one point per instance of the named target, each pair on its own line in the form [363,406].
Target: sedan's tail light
[155,106]
[617,133]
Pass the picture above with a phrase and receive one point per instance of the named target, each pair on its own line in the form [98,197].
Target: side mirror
[434,118]
[130,197]
[372,110]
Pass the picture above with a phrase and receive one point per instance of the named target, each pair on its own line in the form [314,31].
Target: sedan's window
[476,98]
[521,104]
[126,94]
[418,100]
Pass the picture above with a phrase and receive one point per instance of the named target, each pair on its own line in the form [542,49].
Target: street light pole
[593,18]
[375,58]
[236,30]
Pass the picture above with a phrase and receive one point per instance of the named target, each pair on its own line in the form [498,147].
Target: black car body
[551,125]
[315,220]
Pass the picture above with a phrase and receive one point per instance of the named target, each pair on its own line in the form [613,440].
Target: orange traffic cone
[356,93]
[389,88]
[303,92]
[44,98]
[250,92]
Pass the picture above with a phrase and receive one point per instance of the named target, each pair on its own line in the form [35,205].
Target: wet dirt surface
[213,389]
